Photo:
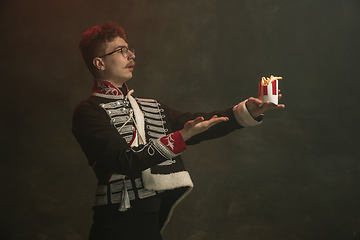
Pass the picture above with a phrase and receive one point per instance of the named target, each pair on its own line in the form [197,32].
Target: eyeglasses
[123,50]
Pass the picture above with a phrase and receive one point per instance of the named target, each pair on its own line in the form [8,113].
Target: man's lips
[130,64]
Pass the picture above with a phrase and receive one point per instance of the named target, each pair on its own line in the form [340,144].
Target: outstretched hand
[256,107]
[199,125]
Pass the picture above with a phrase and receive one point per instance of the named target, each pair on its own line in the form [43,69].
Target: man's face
[118,69]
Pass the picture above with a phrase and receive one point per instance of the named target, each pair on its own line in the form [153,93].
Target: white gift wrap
[269,93]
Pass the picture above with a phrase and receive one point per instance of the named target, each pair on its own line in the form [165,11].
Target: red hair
[93,41]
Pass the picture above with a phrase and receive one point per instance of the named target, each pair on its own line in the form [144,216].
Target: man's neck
[116,82]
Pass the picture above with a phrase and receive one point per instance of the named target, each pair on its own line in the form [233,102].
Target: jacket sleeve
[238,116]
[103,145]
[178,119]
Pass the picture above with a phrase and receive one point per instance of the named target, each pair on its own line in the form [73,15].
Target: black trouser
[140,222]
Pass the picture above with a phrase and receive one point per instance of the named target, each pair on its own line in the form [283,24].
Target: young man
[134,144]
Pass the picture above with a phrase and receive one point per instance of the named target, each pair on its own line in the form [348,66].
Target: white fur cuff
[243,116]
[166,181]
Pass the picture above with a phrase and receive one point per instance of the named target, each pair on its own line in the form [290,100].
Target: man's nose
[131,55]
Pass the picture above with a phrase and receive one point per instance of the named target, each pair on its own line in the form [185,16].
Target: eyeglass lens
[125,51]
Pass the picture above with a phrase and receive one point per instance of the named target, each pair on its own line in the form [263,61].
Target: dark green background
[296,176]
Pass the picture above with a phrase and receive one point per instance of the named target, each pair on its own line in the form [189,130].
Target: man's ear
[99,63]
